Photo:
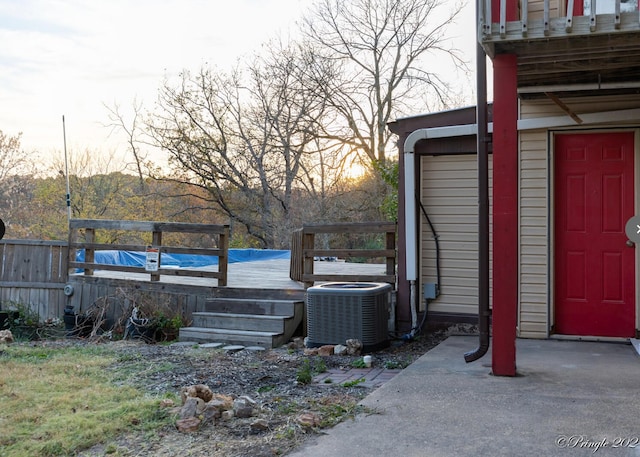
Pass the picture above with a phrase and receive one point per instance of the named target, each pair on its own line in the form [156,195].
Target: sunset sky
[71,57]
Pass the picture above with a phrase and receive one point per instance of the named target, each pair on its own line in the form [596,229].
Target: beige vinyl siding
[449,193]
[535,199]
[536,9]
[533,290]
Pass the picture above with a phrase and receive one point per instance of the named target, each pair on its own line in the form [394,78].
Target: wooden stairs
[247,317]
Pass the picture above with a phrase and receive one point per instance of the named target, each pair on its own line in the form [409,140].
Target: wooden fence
[156,229]
[34,273]
[304,251]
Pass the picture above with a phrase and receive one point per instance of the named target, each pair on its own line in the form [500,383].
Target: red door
[594,268]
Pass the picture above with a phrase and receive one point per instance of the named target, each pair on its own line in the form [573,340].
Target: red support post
[505,214]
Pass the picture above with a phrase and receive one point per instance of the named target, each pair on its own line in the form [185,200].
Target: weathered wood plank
[147,226]
[33,285]
[345,253]
[349,278]
[214,252]
[91,266]
[351,227]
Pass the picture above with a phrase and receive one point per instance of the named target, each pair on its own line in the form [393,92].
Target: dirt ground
[291,410]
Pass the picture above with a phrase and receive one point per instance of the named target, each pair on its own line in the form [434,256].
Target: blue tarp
[139,259]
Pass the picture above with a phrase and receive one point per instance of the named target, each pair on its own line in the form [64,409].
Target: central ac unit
[340,311]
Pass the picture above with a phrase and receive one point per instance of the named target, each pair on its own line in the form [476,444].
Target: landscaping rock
[211,345]
[296,343]
[308,420]
[197,391]
[188,425]
[325,350]
[340,349]
[6,337]
[354,347]
[193,406]
[244,407]
[221,402]
[259,425]
[211,412]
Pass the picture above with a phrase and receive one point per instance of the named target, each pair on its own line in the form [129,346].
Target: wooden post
[223,259]
[89,253]
[156,242]
[308,244]
[391,261]
[505,214]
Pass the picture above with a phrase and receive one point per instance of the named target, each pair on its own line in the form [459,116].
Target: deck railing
[153,251]
[539,17]
[304,251]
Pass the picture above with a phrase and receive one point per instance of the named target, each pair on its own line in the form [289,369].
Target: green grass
[58,401]
[307,371]
[353,383]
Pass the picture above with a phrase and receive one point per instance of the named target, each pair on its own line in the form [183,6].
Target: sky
[72,57]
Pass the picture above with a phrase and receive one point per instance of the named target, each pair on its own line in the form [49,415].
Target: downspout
[484,313]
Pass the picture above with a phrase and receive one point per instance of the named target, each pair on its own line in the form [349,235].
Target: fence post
[156,242]
[391,261]
[295,262]
[89,252]
[308,244]
[223,259]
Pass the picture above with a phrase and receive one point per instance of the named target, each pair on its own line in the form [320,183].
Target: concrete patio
[570,398]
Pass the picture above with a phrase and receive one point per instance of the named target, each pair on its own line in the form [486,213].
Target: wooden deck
[248,285]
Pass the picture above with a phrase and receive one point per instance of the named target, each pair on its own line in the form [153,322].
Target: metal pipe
[414,312]
[66,171]
[411,244]
[484,313]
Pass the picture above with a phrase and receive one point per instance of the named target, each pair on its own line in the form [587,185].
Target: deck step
[241,337]
[245,321]
[264,294]
[234,321]
[253,306]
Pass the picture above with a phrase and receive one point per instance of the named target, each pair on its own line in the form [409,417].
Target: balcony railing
[539,18]
[561,43]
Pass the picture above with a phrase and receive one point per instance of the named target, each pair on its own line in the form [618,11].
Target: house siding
[449,194]
[535,199]
[533,239]
[536,9]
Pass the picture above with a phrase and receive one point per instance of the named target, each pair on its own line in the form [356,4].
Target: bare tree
[246,137]
[133,132]
[13,159]
[16,166]
[384,54]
